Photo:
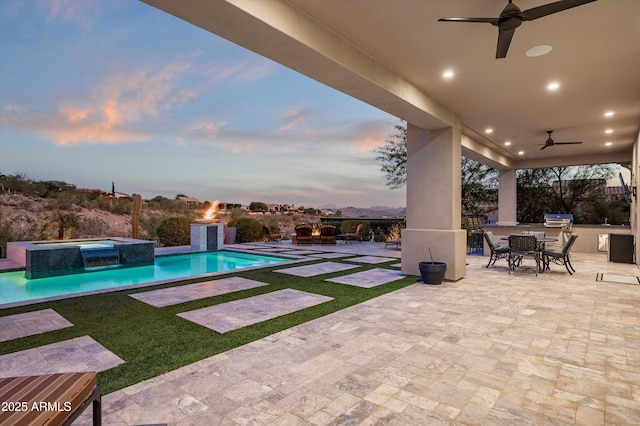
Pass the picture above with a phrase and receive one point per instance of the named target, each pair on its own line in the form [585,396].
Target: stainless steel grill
[556,220]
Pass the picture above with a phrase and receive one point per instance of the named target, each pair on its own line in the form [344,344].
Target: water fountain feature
[50,258]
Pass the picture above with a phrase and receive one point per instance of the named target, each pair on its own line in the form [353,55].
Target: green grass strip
[153,341]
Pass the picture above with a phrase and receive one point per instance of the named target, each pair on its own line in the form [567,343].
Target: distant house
[613,193]
[190,201]
[116,195]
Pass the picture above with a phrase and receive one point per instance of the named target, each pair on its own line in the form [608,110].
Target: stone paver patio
[30,323]
[185,293]
[79,354]
[370,278]
[371,259]
[317,269]
[492,348]
[241,313]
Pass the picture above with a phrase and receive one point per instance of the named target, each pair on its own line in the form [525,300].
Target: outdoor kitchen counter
[587,241]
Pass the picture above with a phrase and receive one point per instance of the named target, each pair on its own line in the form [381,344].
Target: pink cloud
[112,111]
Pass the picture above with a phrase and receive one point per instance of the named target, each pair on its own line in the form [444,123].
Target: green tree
[247,229]
[258,206]
[533,195]
[392,157]
[175,231]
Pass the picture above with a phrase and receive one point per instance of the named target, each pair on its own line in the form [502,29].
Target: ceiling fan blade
[566,143]
[504,40]
[492,21]
[545,146]
[550,8]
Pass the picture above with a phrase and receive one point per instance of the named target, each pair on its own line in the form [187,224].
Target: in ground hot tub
[62,257]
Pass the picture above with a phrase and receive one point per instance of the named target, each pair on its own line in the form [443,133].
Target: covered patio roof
[392,54]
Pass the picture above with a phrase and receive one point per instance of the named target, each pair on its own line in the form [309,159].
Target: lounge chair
[523,246]
[328,234]
[497,251]
[352,236]
[269,236]
[394,242]
[304,234]
[562,257]
[59,399]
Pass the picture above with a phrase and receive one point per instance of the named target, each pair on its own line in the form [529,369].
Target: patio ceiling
[392,54]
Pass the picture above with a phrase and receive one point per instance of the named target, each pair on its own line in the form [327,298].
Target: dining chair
[523,246]
[560,257]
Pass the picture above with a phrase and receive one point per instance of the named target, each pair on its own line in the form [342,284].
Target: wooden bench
[50,399]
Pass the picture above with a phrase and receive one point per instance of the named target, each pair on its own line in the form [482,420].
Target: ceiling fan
[512,17]
[550,142]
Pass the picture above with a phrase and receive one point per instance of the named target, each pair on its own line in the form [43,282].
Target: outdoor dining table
[541,245]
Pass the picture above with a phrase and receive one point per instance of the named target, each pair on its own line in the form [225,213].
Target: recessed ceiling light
[507,143]
[553,86]
[538,50]
[609,114]
[608,131]
[489,130]
[448,74]
[520,152]
[608,144]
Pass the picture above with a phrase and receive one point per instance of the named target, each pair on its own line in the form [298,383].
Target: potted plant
[432,272]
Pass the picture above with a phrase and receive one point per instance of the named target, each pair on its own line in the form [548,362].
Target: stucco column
[434,201]
[507,196]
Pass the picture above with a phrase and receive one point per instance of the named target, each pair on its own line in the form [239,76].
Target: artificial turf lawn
[153,340]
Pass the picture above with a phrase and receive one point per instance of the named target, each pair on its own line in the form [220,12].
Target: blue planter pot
[432,273]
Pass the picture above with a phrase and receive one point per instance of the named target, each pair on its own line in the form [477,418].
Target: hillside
[33,218]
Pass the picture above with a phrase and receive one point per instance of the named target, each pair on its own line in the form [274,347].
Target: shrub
[94,227]
[175,231]
[247,229]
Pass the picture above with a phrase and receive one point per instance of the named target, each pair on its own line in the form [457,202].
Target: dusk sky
[98,91]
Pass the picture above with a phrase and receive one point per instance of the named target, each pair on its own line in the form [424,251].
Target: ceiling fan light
[553,86]
[541,50]
[609,114]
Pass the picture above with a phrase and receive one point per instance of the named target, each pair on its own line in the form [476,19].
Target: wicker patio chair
[304,234]
[328,234]
[523,246]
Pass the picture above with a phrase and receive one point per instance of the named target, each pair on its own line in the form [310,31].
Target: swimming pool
[14,287]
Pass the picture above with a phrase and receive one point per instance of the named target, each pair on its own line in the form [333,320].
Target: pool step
[93,257]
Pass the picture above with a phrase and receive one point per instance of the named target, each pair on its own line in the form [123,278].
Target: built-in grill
[557,220]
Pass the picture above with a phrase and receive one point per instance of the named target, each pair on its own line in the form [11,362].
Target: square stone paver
[317,269]
[272,249]
[240,313]
[79,354]
[30,323]
[331,255]
[186,293]
[371,278]
[371,259]
[302,252]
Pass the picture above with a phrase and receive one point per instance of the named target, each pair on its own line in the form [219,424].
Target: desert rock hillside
[36,218]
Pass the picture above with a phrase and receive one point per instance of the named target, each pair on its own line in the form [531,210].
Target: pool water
[14,287]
